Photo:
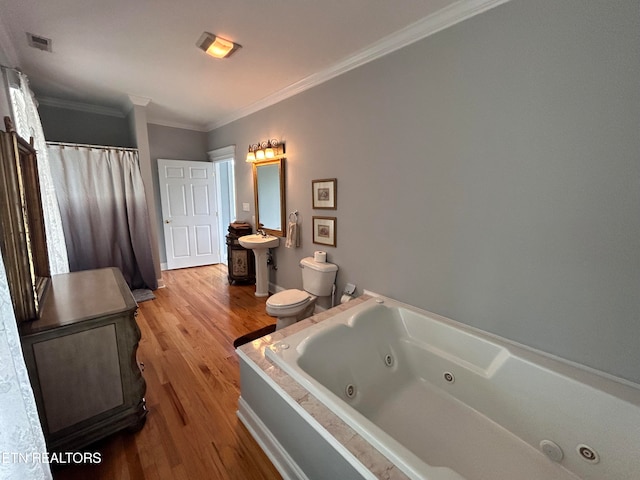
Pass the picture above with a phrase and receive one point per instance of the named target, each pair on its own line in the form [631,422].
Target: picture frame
[324,230]
[324,193]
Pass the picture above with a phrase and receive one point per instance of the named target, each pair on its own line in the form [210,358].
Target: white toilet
[290,306]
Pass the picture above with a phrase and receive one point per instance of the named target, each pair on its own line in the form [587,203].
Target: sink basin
[256,241]
[260,246]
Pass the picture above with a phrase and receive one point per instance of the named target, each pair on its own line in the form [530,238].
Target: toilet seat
[288,299]
[293,305]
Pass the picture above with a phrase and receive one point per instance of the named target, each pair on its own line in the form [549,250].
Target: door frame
[224,160]
[210,182]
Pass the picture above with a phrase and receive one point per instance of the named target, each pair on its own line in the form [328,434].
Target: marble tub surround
[439,399]
[378,465]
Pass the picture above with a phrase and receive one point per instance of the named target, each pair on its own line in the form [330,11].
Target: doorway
[189,213]
[224,165]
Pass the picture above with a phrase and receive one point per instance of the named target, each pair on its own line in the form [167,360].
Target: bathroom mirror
[268,192]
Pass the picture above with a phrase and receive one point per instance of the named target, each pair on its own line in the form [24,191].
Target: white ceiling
[106,50]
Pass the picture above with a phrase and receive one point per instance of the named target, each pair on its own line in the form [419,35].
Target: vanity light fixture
[251,156]
[267,150]
[215,46]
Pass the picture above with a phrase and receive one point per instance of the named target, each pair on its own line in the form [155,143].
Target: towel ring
[295,216]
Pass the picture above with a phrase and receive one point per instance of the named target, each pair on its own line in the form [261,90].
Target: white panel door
[189,213]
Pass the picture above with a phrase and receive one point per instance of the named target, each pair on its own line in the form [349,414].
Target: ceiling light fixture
[215,46]
[267,150]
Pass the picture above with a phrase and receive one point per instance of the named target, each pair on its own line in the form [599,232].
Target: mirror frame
[23,239]
[255,166]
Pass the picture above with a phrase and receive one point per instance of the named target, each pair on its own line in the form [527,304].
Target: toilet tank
[318,277]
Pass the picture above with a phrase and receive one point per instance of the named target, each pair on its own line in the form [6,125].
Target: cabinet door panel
[79,376]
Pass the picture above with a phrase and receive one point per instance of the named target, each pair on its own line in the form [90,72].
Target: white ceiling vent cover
[41,43]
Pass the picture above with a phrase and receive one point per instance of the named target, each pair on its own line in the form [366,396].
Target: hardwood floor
[192,376]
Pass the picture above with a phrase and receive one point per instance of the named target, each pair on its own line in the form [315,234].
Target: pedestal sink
[260,245]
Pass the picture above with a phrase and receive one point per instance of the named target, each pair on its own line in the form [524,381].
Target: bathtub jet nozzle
[388,360]
[350,391]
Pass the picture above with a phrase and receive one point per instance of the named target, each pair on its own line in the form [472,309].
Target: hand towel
[292,235]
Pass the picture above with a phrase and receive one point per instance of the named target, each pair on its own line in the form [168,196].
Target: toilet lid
[288,298]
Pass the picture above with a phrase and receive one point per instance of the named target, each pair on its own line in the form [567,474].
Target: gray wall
[173,144]
[74,126]
[489,173]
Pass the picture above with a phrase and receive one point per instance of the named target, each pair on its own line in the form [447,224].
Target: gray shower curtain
[104,211]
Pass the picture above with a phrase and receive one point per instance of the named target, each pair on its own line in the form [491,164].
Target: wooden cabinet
[81,357]
[241,261]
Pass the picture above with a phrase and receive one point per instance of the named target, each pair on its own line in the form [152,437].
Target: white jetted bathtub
[441,401]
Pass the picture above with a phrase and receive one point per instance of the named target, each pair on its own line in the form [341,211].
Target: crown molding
[139,101]
[185,126]
[429,25]
[80,106]
[114,112]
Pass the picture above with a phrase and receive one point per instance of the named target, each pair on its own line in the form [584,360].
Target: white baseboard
[273,288]
[283,462]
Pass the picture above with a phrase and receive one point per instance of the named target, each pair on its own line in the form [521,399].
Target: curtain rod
[85,145]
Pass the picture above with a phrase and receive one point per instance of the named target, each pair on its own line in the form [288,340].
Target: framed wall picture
[324,230]
[324,193]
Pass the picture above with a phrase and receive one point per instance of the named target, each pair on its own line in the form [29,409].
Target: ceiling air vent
[38,42]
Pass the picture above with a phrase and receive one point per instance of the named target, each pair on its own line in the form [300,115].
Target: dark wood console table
[81,358]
